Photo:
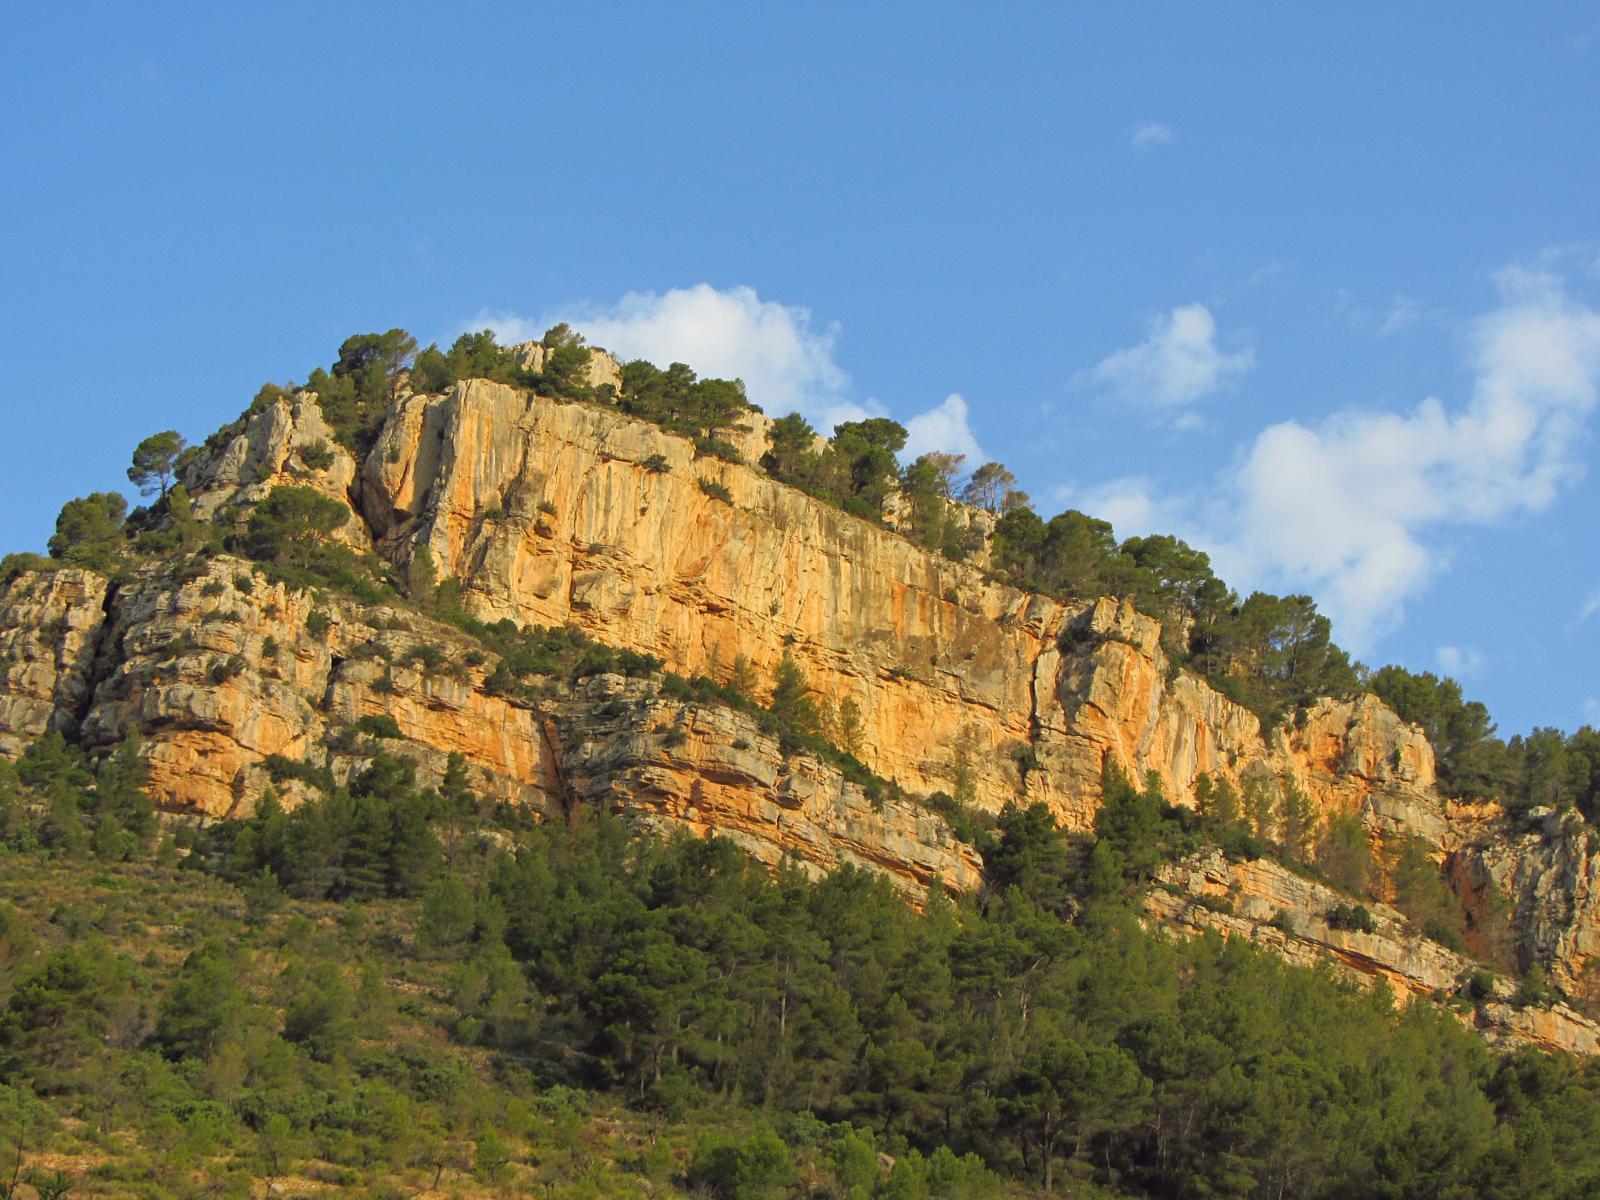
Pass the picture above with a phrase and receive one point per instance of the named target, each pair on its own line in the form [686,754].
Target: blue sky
[1315,287]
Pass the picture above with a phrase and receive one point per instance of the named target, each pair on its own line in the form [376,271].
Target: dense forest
[393,988]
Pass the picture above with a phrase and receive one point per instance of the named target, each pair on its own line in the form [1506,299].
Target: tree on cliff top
[354,393]
[290,525]
[155,462]
[89,531]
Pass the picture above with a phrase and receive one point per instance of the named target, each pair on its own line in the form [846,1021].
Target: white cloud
[1591,605]
[784,358]
[1403,311]
[1460,662]
[1132,505]
[945,428]
[1177,363]
[1344,508]
[1151,133]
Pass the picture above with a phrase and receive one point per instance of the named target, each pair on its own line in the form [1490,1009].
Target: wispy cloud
[1399,313]
[1178,363]
[1403,311]
[1460,662]
[1151,134]
[1345,507]
[1591,605]
[1269,272]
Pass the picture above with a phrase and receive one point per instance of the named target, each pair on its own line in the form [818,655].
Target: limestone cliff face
[560,514]
[219,670]
[1270,905]
[269,448]
[1548,875]
[48,637]
[574,514]
[711,770]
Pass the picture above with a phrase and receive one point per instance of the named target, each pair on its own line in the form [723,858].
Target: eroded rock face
[603,369]
[220,669]
[267,450]
[567,513]
[558,514]
[1548,873]
[711,770]
[1272,906]
[49,627]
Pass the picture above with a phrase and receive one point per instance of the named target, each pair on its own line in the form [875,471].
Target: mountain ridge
[555,513]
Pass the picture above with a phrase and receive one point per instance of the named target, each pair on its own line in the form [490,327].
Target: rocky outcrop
[1546,876]
[224,674]
[602,370]
[574,514]
[50,623]
[711,770]
[280,442]
[1267,903]
[557,514]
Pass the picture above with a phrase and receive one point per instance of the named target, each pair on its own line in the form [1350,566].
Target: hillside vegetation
[399,992]
[399,988]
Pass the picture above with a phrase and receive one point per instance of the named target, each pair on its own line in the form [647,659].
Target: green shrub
[1351,917]
[756,1168]
[379,725]
[318,457]
[715,447]
[716,490]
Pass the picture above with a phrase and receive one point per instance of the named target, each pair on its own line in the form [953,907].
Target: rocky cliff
[1273,906]
[573,514]
[567,513]
[220,670]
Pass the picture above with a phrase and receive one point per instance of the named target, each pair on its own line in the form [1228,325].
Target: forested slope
[493,763]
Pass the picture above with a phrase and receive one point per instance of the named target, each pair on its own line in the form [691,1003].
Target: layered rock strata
[1266,903]
[220,670]
[574,514]
[557,514]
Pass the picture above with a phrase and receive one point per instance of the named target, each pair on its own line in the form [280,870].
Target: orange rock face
[551,516]
[574,514]
[559,514]
[221,670]
[1272,906]
[48,637]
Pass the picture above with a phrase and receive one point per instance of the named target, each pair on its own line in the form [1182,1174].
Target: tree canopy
[155,462]
[89,531]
